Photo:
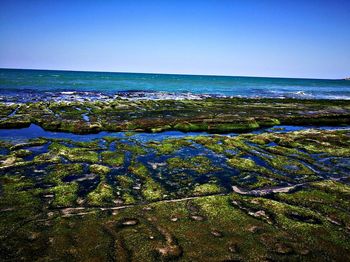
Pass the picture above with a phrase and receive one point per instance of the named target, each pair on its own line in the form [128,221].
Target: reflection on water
[35,131]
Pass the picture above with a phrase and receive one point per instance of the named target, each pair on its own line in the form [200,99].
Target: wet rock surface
[252,197]
[218,115]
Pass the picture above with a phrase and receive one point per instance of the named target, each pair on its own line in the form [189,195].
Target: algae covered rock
[99,169]
[104,199]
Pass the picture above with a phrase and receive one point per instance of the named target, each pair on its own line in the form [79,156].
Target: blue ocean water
[34,84]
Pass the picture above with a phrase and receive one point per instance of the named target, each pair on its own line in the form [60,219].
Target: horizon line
[156,73]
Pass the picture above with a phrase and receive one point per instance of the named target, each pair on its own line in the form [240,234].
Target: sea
[22,85]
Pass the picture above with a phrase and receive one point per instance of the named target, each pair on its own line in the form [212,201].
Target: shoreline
[9,95]
[212,115]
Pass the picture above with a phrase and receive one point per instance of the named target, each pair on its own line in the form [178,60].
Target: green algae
[333,187]
[65,194]
[43,211]
[211,143]
[168,146]
[112,158]
[59,171]
[219,115]
[151,190]
[125,181]
[330,205]
[102,195]
[134,149]
[303,222]
[191,127]
[94,145]
[248,166]
[139,170]
[226,232]
[21,153]
[47,158]
[289,165]
[74,154]
[262,182]
[99,169]
[19,204]
[266,122]
[206,189]
[128,199]
[110,139]
[200,164]
[244,164]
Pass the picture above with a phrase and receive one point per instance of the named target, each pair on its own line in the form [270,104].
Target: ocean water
[27,85]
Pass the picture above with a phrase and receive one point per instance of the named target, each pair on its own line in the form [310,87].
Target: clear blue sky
[227,37]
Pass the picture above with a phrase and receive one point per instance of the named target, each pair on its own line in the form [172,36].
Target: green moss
[128,199]
[5,144]
[331,205]
[269,122]
[212,114]
[94,145]
[191,127]
[316,141]
[65,194]
[125,181]
[47,158]
[59,171]
[169,146]
[15,122]
[235,143]
[81,155]
[200,164]
[99,169]
[333,187]
[74,154]
[246,164]
[217,127]
[260,139]
[206,189]
[110,139]
[19,203]
[242,163]
[102,195]
[234,127]
[139,170]
[160,129]
[151,190]
[289,165]
[290,152]
[211,143]
[112,158]
[21,153]
[263,182]
[134,149]
[308,223]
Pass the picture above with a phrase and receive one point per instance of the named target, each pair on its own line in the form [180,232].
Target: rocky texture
[123,200]
[215,115]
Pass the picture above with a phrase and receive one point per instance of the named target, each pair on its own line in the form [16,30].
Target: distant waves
[27,95]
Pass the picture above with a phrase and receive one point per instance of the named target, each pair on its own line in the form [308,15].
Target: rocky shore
[251,197]
[215,115]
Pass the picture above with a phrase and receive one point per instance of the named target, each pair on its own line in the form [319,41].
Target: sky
[308,39]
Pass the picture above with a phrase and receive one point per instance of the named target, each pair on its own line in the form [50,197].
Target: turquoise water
[32,83]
